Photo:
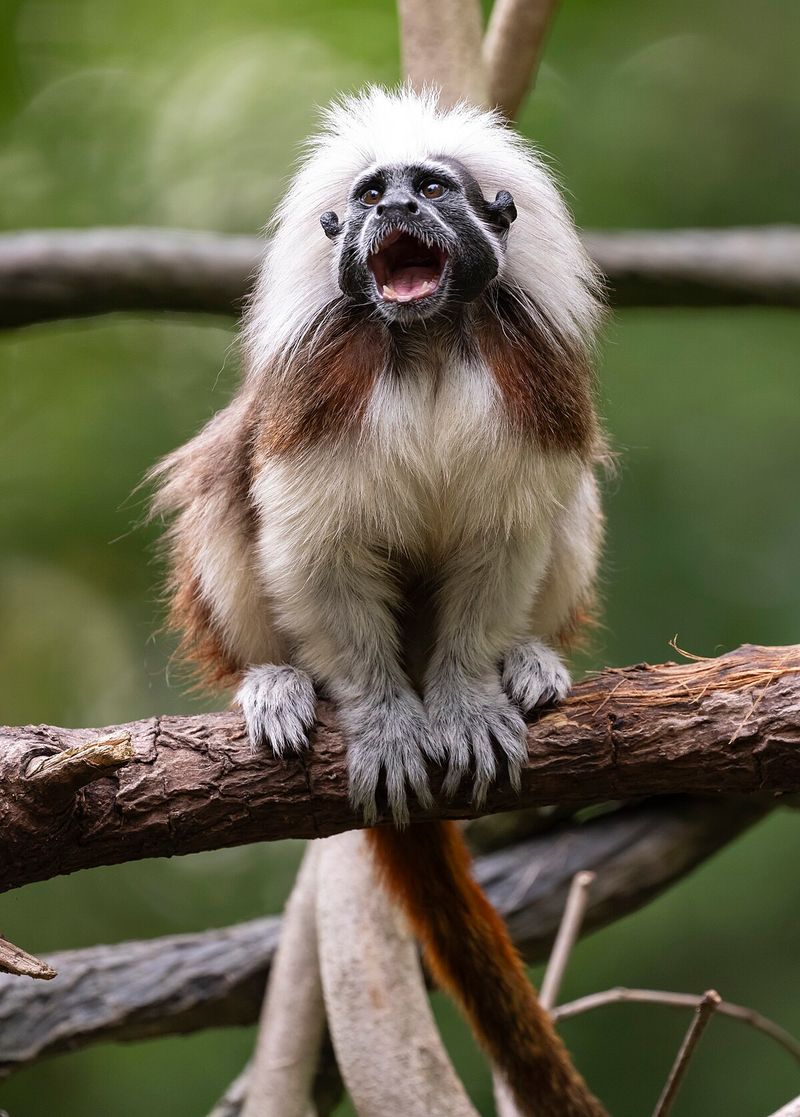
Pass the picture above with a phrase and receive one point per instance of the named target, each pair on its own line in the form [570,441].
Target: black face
[417,239]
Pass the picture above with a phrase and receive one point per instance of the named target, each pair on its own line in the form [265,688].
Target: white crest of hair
[544,260]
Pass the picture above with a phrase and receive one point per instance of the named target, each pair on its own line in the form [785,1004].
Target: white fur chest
[434,463]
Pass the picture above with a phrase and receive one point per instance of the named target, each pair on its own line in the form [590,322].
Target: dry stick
[705,1010]
[441,47]
[621,995]
[568,932]
[387,1044]
[14,960]
[293,1017]
[512,50]
[567,935]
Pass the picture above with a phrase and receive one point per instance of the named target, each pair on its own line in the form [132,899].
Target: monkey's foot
[533,675]
[474,721]
[387,743]
[278,704]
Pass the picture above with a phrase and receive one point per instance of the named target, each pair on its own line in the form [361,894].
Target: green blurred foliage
[655,115]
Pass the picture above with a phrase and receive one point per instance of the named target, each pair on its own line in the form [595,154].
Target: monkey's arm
[336,600]
[487,589]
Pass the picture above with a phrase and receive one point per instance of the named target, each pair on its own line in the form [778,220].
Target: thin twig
[14,960]
[621,995]
[568,932]
[705,1010]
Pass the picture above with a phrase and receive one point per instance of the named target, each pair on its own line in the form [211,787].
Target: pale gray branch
[52,274]
[790,1110]
[512,50]
[386,1040]
[441,47]
[292,1020]
[183,983]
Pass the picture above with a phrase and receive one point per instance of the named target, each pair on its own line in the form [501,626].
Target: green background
[170,113]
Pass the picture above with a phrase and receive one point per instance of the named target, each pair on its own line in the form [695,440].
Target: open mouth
[406,269]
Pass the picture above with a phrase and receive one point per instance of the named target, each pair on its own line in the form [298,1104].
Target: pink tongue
[411,281]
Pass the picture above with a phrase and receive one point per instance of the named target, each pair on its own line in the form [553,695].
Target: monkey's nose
[396,208]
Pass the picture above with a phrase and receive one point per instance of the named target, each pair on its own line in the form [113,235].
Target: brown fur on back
[216,465]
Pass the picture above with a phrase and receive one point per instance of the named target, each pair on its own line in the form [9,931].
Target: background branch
[512,50]
[440,44]
[182,983]
[52,274]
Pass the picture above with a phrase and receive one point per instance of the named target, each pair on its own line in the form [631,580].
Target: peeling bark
[729,725]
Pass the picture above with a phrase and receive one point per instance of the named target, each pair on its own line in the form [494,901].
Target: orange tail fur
[470,954]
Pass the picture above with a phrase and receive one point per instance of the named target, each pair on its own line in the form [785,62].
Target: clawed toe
[534,675]
[278,704]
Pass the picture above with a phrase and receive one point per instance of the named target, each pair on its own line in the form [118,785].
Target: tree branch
[790,1110]
[182,983]
[441,47]
[513,48]
[727,725]
[52,274]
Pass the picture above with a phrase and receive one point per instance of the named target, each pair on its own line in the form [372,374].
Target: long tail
[470,954]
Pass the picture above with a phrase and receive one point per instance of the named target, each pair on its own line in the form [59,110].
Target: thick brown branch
[729,725]
[186,982]
[53,274]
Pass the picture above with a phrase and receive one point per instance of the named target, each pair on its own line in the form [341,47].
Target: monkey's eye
[433,189]
[371,196]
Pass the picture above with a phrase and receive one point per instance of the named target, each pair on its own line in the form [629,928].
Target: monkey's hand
[533,675]
[473,719]
[388,741]
[278,704]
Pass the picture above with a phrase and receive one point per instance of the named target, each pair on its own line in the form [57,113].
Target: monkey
[399,507]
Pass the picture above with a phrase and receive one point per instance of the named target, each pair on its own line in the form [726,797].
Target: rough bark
[183,983]
[52,273]
[728,725]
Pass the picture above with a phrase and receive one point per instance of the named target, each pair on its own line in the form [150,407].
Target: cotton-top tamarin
[398,508]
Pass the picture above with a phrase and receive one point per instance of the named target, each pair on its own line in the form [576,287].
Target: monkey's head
[419,238]
[423,194]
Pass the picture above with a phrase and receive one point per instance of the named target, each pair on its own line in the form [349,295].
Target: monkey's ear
[330,223]
[502,211]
